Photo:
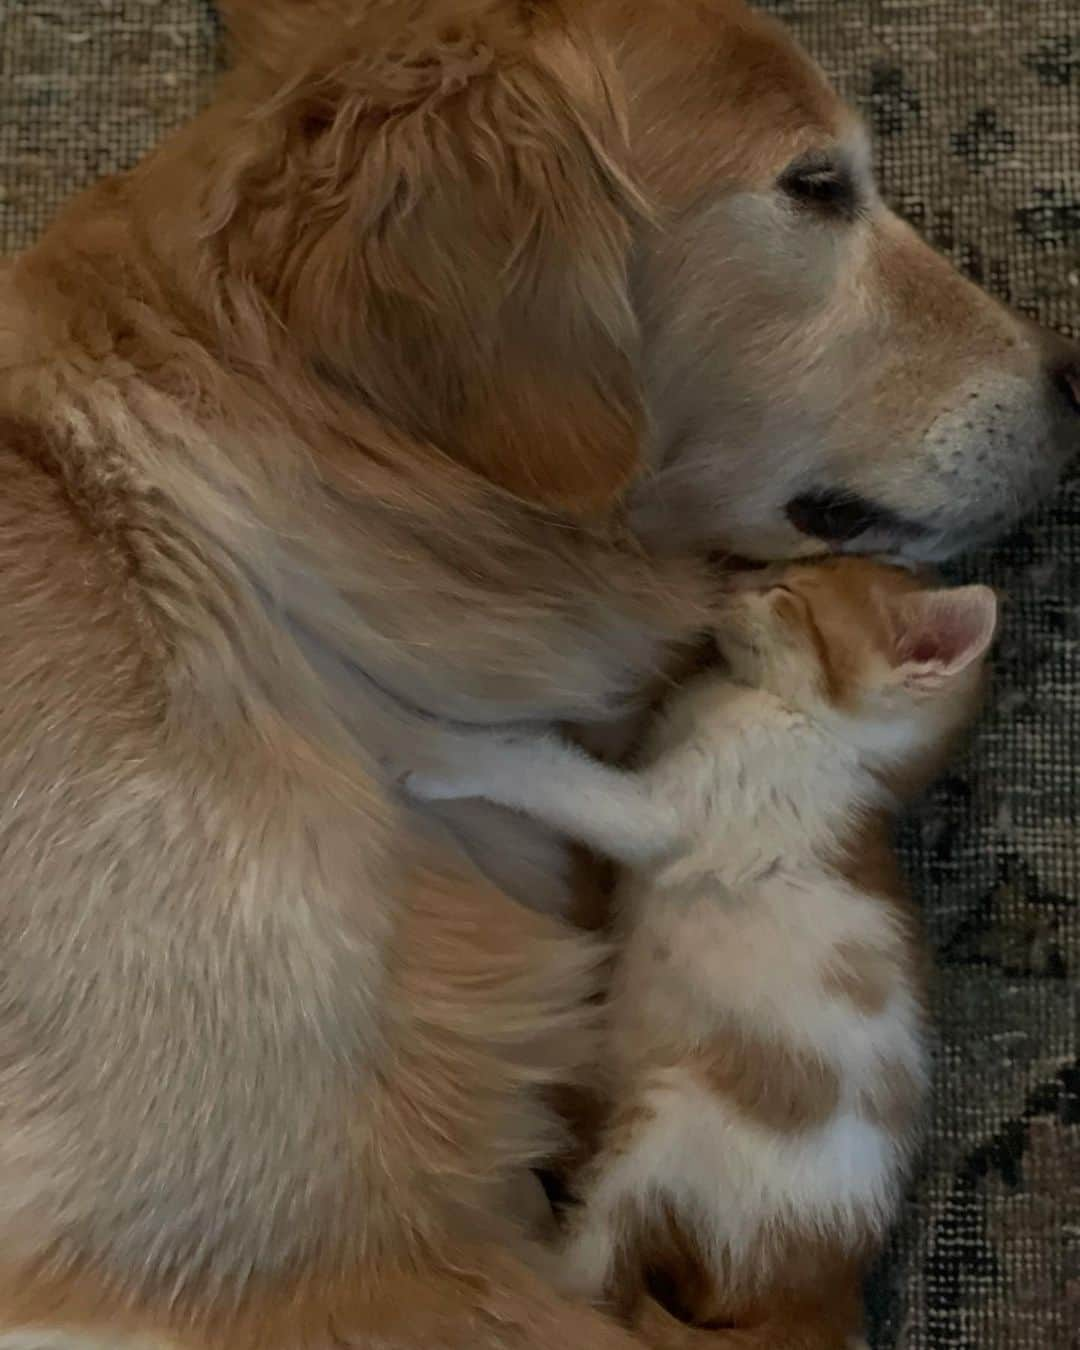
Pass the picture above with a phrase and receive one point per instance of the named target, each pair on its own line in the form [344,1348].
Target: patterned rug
[975,105]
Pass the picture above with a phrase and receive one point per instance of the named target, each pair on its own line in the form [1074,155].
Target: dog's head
[815,372]
[594,248]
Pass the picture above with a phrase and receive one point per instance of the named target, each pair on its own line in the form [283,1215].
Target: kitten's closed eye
[789,603]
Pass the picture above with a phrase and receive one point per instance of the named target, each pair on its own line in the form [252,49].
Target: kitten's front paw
[470,763]
[427,786]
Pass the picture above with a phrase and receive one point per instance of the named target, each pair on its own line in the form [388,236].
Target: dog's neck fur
[451,596]
[213,430]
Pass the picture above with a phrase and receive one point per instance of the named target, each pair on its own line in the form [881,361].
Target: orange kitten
[766,1054]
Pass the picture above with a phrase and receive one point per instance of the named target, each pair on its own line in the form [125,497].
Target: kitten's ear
[941,633]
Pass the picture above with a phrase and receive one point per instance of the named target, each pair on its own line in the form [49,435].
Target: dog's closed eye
[822,184]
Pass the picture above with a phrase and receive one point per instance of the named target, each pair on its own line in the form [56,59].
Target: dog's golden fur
[358,403]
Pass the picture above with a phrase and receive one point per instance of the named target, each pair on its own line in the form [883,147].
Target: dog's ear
[268,32]
[450,241]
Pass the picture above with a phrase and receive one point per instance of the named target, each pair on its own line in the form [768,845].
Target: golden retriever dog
[413,380]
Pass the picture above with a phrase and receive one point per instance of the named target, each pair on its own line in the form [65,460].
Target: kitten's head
[890,661]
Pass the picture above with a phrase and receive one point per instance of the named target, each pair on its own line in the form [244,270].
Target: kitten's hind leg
[629,1240]
[589,1258]
[601,1256]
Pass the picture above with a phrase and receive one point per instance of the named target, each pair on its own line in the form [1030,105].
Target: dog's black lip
[839,516]
[722,561]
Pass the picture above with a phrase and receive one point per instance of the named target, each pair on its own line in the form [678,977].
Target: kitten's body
[766,1054]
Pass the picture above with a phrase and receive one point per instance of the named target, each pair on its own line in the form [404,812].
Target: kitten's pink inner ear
[941,633]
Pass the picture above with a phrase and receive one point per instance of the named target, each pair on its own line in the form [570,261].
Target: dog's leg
[488,1301]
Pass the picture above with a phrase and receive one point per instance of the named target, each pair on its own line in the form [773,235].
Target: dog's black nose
[838,516]
[1061,361]
[1067,379]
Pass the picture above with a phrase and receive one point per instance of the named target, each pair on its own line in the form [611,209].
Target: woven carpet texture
[975,108]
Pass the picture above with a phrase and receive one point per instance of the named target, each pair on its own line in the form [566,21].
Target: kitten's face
[865,646]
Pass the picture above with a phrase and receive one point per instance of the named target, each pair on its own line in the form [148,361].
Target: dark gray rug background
[976,108]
